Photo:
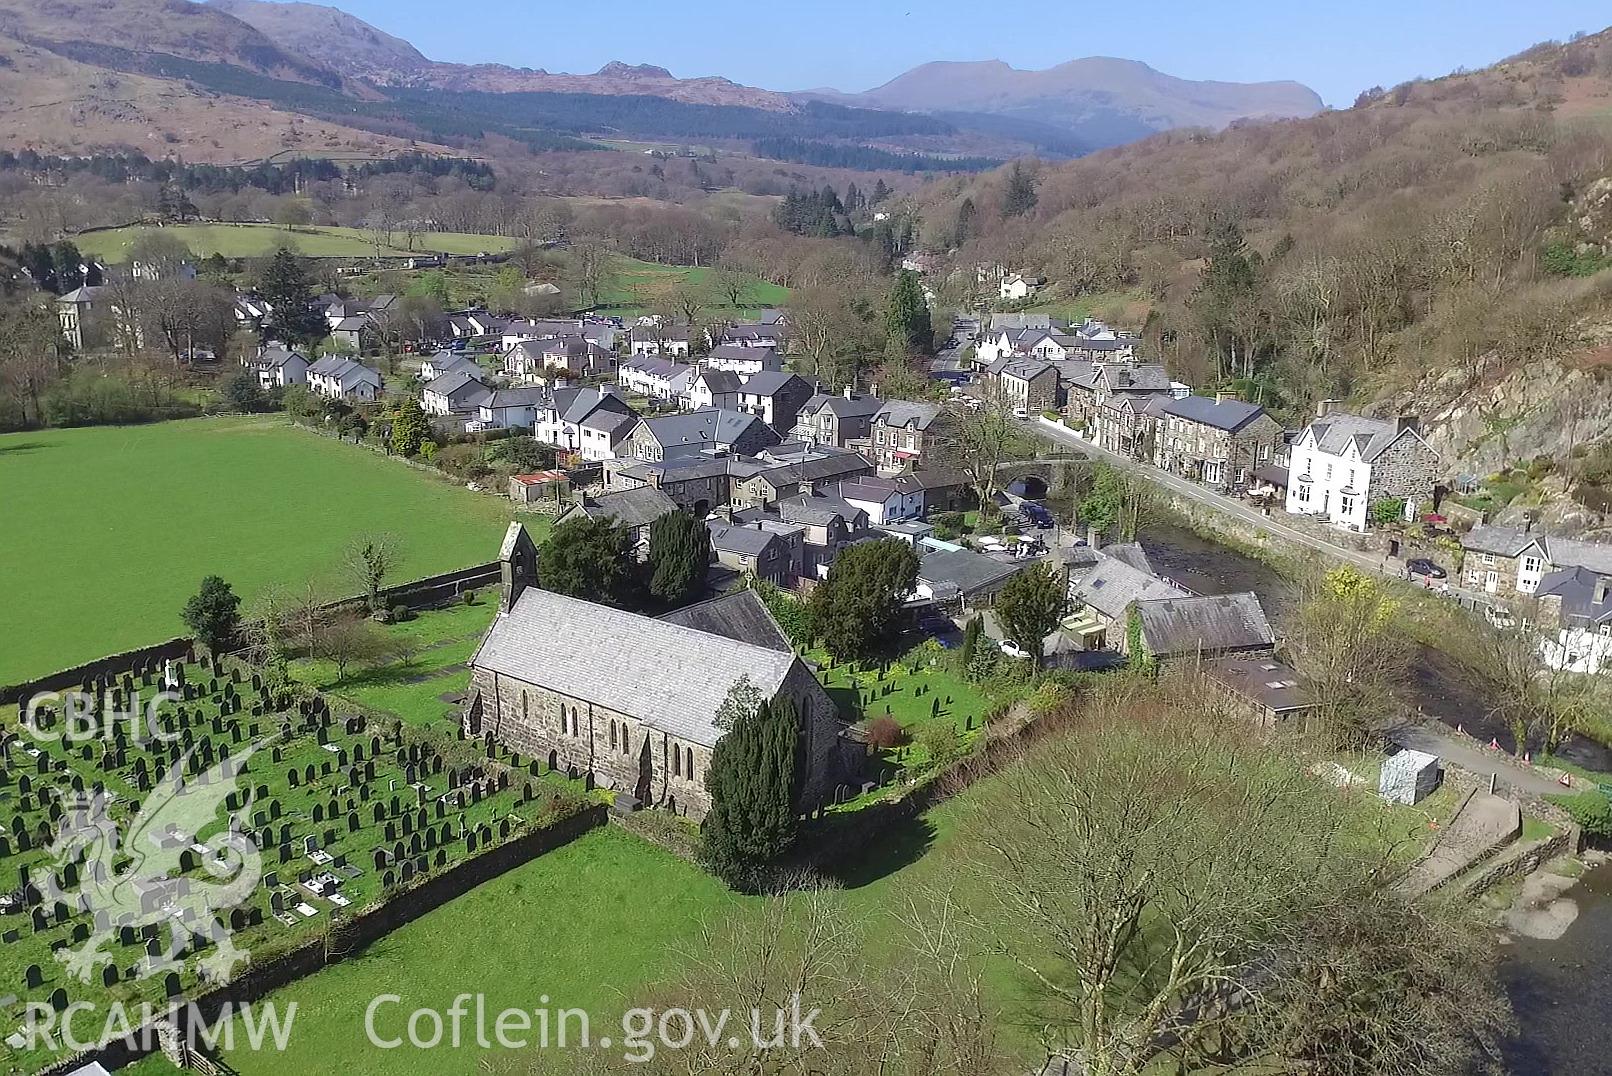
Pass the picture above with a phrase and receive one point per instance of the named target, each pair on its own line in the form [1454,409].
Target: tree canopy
[287,287]
[860,604]
[679,554]
[589,559]
[751,824]
[1030,606]
[213,614]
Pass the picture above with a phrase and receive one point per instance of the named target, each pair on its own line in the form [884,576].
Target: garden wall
[417,594]
[403,906]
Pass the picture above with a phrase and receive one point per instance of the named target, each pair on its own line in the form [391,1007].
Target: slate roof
[872,490]
[1135,377]
[1208,624]
[450,383]
[711,425]
[1577,587]
[817,510]
[1559,552]
[1371,436]
[968,571]
[670,677]
[612,422]
[654,365]
[273,358]
[1229,415]
[719,382]
[445,361]
[521,397]
[741,353]
[1013,322]
[905,413]
[736,538]
[855,407]
[1112,585]
[344,370]
[741,616]
[628,507]
[1130,553]
[1019,367]
[771,382]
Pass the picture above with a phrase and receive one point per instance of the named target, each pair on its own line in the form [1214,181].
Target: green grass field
[107,531]
[635,281]
[588,926]
[254,240]
[440,641]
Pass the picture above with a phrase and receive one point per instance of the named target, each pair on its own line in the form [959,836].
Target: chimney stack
[1094,536]
[1406,422]
[1324,408]
[1221,397]
[848,395]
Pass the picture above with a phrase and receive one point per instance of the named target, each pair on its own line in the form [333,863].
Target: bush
[1591,810]
[942,740]
[884,732]
[401,612]
[1388,510]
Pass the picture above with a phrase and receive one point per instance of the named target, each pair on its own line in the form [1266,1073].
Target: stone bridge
[1043,475]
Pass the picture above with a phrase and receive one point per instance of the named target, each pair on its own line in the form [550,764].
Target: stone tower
[519,565]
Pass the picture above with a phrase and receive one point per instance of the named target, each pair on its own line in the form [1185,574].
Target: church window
[677,763]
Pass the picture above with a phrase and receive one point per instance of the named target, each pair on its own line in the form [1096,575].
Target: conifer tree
[287,289]
[751,824]
[679,553]
[906,321]
[1020,196]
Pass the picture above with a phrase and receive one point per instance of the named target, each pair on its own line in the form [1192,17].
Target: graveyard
[157,507]
[290,817]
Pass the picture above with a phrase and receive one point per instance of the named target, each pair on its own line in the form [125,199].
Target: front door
[1491,581]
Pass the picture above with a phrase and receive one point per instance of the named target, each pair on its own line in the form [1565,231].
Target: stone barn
[628,699]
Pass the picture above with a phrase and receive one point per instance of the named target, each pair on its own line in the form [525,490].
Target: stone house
[592,423]
[697,433]
[1089,391]
[1204,626]
[1512,561]
[1219,442]
[1344,464]
[751,549]
[902,431]
[827,419]
[629,700]
[1028,385]
[634,509]
[774,396]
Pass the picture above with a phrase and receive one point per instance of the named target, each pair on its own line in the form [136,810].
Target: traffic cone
[1494,744]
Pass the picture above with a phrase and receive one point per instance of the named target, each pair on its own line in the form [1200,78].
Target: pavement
[1230,506]
[1459,751]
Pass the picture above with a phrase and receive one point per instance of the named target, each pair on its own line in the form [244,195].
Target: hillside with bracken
[1443,246]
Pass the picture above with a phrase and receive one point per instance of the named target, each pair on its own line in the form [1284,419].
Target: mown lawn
[105,532]
[438,641]
[254,240]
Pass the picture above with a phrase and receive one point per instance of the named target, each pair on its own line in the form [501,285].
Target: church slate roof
[670,677]
[740,616]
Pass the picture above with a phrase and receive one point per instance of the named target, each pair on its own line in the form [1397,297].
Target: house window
[1346,506]
[1329,472]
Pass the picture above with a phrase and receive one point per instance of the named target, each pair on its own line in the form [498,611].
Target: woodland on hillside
[1431,226]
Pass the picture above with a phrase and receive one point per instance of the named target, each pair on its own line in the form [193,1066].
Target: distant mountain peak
[617,69]
[1103,99]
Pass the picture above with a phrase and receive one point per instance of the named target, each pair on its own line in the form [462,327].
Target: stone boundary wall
[417,594]
[1516,860]
[403,907]
[178,647]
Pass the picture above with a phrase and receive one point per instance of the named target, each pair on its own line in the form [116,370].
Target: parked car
[1012,650]
[1423,566]
[1021,412]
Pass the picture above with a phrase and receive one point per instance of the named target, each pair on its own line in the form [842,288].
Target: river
[1438,686]
[1558,988]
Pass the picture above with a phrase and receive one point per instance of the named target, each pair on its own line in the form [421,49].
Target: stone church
[628,699]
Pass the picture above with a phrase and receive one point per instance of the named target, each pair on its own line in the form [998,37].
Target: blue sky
[1336,48]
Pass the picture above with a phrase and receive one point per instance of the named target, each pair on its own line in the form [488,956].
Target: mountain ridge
[1106,98]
